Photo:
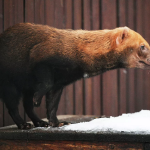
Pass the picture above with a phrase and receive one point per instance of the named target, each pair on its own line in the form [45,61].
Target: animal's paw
[25,126]
[41,124]
[59,124]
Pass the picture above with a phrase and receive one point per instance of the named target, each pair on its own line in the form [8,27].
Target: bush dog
[38,60]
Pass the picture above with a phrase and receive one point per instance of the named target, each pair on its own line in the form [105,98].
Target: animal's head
[134,49]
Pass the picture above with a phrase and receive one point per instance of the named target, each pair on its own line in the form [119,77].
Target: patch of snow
[138,122]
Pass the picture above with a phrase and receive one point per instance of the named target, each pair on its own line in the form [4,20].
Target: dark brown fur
[38,60]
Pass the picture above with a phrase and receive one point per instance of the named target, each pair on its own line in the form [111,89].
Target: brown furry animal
[37,60]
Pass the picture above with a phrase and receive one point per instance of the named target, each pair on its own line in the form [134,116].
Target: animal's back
[17,42]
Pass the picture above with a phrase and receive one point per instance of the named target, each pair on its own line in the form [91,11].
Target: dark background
[112,93]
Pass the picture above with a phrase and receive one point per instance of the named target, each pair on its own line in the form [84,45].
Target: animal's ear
[124,34]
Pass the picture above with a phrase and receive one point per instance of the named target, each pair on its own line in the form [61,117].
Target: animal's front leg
[52,101]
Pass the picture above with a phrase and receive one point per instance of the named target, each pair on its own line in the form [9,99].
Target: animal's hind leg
[29,108]
[52,101]
[11,99]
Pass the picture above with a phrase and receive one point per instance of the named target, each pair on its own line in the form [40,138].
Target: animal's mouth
[142,62]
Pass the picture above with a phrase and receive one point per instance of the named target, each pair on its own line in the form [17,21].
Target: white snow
[135,123]
[138,123]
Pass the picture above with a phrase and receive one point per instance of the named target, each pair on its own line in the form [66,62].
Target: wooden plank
[69,145]
[9,20]
[29,11]
[96,86]
[1,30]
[29,17]
[62,103]
[68,14]
[95,15]
[39,11]
[130,72]
[1,15]
[139,73]
[19,11]
[69,98]
[59,23]
[59,14]
[87,82]
[110,89]
[146,79]
[49,12]
[77,23]
[19,17]
[6,14]
[7,118]
[69,95]
[122,78]
[40,19]
[122,91]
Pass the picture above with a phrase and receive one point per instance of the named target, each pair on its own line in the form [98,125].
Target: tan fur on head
[131,47]
[120,44]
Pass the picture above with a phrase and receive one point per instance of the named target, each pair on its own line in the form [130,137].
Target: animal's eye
[142,47]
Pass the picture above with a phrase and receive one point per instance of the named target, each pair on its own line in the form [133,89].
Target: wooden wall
[112,93]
